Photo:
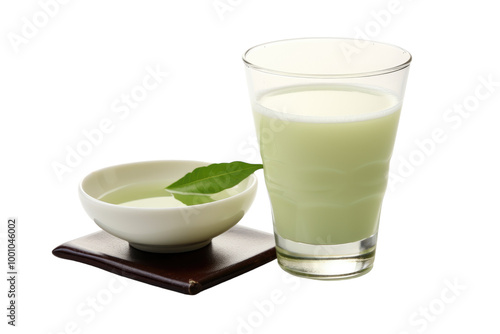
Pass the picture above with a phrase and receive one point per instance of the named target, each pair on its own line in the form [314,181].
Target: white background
[440,221]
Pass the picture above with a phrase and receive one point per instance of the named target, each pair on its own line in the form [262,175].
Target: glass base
[326,262]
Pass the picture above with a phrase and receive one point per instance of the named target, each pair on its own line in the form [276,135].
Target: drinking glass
[326,112]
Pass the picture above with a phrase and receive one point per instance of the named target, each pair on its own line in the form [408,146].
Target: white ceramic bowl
[161,230]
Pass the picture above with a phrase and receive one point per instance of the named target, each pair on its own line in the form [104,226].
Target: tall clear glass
[326,112]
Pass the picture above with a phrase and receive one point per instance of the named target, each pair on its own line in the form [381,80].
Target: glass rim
[384,70]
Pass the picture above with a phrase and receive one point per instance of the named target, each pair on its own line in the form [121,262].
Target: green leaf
[213,178]
[193,199]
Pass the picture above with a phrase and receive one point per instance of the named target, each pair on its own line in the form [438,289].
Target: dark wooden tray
[232,253]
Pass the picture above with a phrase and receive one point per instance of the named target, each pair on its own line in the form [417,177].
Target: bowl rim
[252,185]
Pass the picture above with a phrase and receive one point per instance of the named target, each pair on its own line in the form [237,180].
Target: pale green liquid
[326,152]
[143,195]
[154,195]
